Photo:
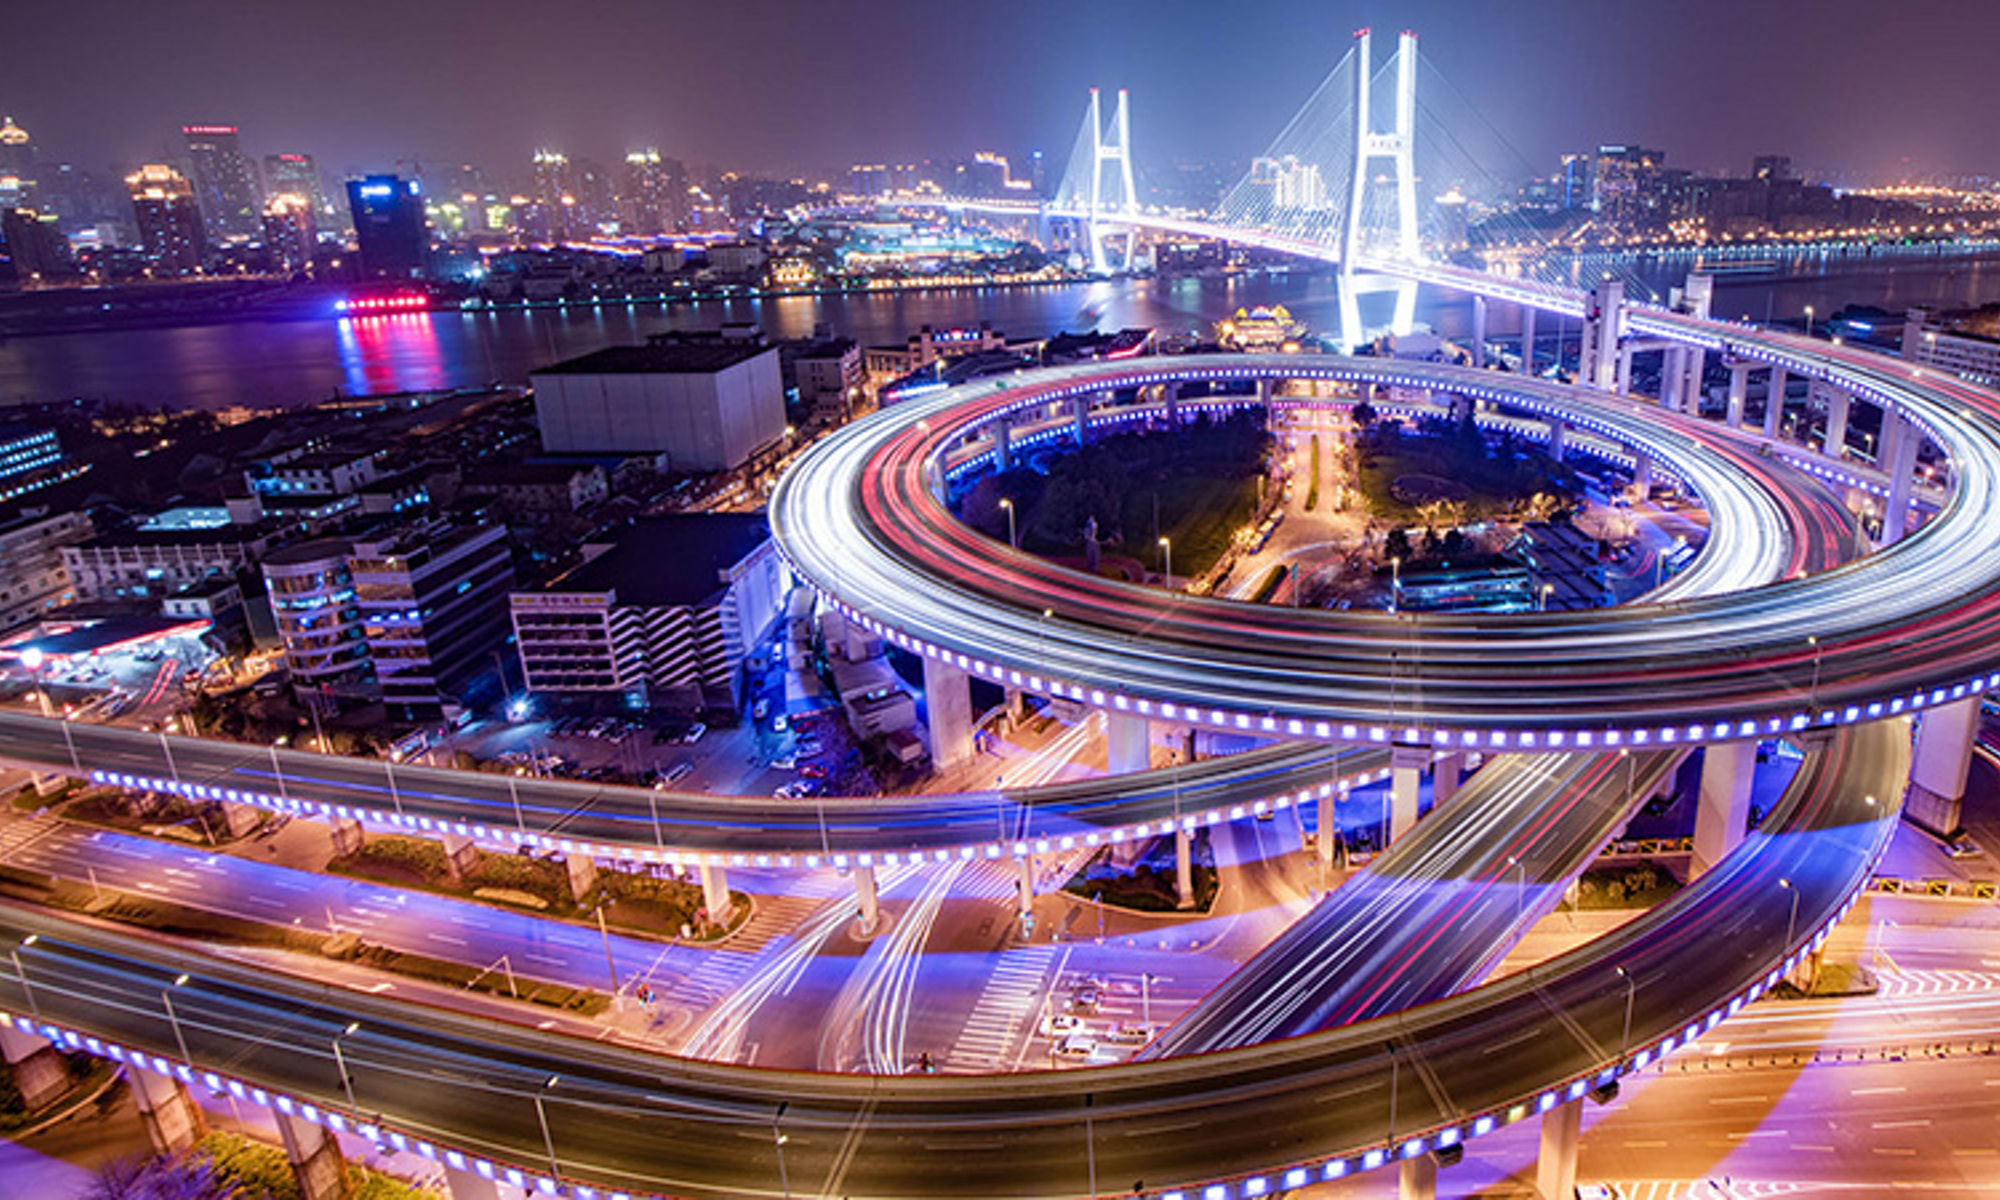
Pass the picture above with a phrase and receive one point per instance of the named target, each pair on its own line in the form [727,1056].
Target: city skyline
[1704,84]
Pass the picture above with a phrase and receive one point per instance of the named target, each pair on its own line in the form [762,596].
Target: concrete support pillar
[865,892]
[948,702]
[1024,882]
[1694,365]
[172,1119]
[1739,387]
[1479,331]
[1183,869]
[1642,475]
[464,1185]
[1774,402]
[460,854]
[240,819]
[1672,376]
[1835,446]
[1418,1178]
[1723,815]
[1081,407]
[1900,463]
[1003,446]
[1329,832]
[38,1070]
[1128,744]
[1528,339]
[315,1157]
[1938,765]
[1555,1168]
[1556,431]
[1406,772]
[1445,775]
[715,892]
[347,836]
[1265,387]
[1623,384]
[1170,393]
[1603,330]
[582,876]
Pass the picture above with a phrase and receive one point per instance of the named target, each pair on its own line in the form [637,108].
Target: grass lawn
[1200,514]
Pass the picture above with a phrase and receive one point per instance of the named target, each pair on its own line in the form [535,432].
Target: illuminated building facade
[290,232]
[224,184]
[169,220]
[389,225]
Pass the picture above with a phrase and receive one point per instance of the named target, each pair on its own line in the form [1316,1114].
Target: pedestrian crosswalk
[1898,981]
[1005,1011]
[1694,1189]
[25,832]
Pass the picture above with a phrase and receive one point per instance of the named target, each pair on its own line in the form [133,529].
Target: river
[282,364]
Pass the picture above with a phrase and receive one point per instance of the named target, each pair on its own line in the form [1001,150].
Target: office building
[389,225]
[294,175]
[1929,338]
[170,224]
[535,493]
[312,472]
[35,244]
[318,619]
[225,186]
[151,561]
[17,166]
[433,607]
[662,617]
[33,579]
[826,374]
[27,448]
[709,403]
[654,193]
[290,231]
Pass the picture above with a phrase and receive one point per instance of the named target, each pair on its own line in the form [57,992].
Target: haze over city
[1013,602]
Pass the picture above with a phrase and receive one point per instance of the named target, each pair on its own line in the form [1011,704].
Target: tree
[1364,413]
[1397,545]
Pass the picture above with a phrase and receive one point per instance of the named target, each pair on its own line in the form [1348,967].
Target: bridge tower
[1114,152]
[1397,146]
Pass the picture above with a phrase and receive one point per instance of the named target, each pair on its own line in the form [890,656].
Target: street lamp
[340,1064]
[1792,921]
[1631,990]
[548,1142]
[1167,551]
[778,1140]
[1809,320]
[1395,582]
[21,974]
[32,658]
[173,1019]
[1013,536]
[1146,1000]
[1542,597]
[278,770]
[1812,696]
[1521,887]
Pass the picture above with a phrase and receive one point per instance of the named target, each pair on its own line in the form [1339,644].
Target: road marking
[1739,1099]
[1898,1150]
[1900,1124]
[1648,1145]
[446,938]
[1817,1149]
[1982,1151]
[1881,1091]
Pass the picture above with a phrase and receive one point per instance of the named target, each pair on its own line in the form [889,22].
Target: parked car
[679,771]
[1075,1048]
[1060,1025]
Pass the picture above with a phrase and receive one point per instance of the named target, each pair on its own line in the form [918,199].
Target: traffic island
[644,905]
[1144,882]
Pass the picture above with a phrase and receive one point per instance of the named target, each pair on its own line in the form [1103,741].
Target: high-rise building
[17,166]
[654,193]
[290,231]
[169,220]
[294,174]
[555,196]
[225,185]
[389,223]
[36,244]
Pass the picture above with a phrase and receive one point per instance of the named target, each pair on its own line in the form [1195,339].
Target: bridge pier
[1418,1178]
[1557,429]
[1555,1166]
[1170,395]
[715,892]
[1329,822]
[465,1185]
[316,1159]
[1528,339]
[172,1119]
[1081,407]
[1127,742]
[582,872]
[1739,387]
[1603,330]
[1024,882]
[1446,773]
[1003,446]
[1672,375]
[1722,817]
[1406,768]
[1899,459]
[1642,474]
[1479,331]
[948,710]
[1183,868]
[1836,401]
[1939,762]
[866,892]
[1694,365]
[460,853]
[36,1066]
[1774,402]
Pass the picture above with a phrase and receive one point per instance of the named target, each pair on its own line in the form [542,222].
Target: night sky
[1851,86]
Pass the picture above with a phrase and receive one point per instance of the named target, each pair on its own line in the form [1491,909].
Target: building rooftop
[690,357]
[670,560]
